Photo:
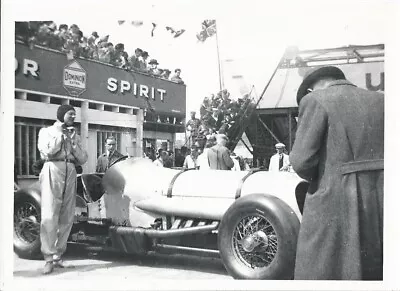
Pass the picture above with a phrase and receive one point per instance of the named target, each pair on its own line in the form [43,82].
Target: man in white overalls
[279,161]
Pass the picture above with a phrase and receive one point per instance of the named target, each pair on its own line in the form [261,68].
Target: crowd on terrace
[72,41]
[218,114]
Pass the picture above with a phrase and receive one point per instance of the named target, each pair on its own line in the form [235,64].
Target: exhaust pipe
[155,233]
[169,249]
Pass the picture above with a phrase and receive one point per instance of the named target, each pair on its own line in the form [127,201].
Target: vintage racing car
[250,219]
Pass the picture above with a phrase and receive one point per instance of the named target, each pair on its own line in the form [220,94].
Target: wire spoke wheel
[257,238]
[255,242]
[26,222]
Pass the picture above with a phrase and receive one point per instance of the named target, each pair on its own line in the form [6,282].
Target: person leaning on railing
[177,77]
[71,41]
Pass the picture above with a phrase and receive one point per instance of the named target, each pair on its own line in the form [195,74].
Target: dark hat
[63,26]
[313,75]
[52,26]
[178,70]
[119,46]
[138,50]
[153,61]
[161,151]
[94,33]
[62,110]
[145,54]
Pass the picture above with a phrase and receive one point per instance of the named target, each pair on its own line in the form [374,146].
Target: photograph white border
[13,10]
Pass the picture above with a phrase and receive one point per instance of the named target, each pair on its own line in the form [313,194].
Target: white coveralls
[58,187]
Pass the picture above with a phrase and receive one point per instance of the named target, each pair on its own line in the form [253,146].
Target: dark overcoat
[339,147]
[104,161]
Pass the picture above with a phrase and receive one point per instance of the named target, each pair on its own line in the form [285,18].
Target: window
[26,152]
[25,148]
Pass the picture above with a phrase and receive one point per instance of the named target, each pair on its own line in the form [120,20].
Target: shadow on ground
[106,260]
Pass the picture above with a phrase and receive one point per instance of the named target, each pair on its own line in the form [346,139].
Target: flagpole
[219,61]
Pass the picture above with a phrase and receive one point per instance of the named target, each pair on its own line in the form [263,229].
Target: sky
[251,37]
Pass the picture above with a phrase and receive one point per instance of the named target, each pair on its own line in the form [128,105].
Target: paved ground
[93,266]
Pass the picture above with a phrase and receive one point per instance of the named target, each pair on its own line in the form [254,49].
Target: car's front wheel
[257,238]
[27,227]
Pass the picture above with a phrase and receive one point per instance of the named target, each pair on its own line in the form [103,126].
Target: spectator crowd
[219,114]
[72,41]
[194,157]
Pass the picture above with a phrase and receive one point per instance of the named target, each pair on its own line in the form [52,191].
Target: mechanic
[60,147]
[193,126]
[202,160]
[339,148]
[219,156]
[279,161]
[109,157]
[191,160]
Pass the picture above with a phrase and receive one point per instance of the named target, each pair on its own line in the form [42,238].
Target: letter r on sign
[31,67]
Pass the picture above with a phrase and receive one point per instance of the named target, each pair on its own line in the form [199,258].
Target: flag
[149,106]
[120,22]
[175,33]
[137,23]
[209,28]
[154,27]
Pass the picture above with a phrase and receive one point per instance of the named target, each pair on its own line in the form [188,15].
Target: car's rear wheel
[257,238]
[27,227]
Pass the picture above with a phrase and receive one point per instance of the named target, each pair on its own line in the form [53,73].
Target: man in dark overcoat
[107,159]
[339,148]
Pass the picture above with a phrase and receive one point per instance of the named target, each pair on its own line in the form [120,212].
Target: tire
[27,227]
[257,238]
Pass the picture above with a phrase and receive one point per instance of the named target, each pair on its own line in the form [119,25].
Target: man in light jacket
[219,156]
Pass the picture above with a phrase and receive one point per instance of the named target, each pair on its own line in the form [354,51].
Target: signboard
[74,79]
[50,72]
[282,90]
